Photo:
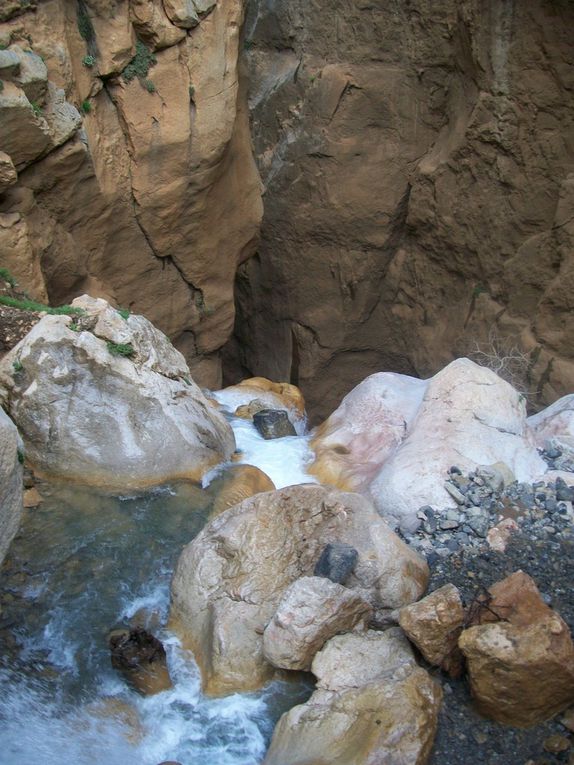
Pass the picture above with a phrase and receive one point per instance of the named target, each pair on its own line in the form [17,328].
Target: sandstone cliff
[129,172]
[417,159]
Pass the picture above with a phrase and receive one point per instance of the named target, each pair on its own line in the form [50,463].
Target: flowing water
[84,563]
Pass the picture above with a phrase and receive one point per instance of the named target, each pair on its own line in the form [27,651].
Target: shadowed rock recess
[417,166]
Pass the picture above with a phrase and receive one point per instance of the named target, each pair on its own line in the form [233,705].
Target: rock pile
[235,577]
[489,507]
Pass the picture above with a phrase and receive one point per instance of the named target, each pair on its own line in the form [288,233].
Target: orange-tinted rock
[499,536]
[434,625]
[238,483]
[522,669]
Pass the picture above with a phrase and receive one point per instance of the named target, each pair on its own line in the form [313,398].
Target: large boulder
[11,506]
[521,668]
[371,421]
[372,705]
[312,610]
[107,400]
[468,417]
[228,582]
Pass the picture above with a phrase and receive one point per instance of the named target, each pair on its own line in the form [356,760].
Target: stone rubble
[543,509]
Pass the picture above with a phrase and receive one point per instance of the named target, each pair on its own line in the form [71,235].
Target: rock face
[434,625]
[311,611]
[521,669]
[228,582]
[10,482]
[372,705]
[109,401]
[418,192]
[154,200]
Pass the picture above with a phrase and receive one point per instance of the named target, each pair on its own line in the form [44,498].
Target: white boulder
[468,417]
[108,401]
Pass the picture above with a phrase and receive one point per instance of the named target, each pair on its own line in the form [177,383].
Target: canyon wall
[417,160]
[127,169]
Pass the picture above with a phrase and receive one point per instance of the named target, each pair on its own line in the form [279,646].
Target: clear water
[82,564]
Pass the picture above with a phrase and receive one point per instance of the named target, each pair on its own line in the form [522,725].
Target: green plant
[191,92]
[186,380]
[478,290]
[124,313]
[1,86]
[36,108]
[89,61]
[74,326]
[17,365]
[121,349]
[85,26]
[86,107]
[31,305]
[149,86]
[6,276]
[20,456]
[140,64]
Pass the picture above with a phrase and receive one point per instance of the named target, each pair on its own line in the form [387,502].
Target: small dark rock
[337,562]
[141,658]
[273,423]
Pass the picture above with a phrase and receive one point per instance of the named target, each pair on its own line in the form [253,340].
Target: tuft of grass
[149,86]
[186,380]
[6,276]
[191,92]
[20,456]
[121,349]
[31,305]
[86,107]
[140,64]
[89,61]
[36,108]
[17,366]
[124,313]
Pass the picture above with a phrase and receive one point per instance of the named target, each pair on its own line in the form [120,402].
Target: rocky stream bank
[412,557]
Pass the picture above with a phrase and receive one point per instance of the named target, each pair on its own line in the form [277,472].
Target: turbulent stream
[84,563]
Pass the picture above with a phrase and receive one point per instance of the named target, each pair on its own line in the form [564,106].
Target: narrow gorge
[286,382]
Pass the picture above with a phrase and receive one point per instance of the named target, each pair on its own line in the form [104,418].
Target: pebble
[556,744]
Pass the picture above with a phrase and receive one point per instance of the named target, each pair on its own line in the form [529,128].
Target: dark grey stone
[337,562]
[273,423]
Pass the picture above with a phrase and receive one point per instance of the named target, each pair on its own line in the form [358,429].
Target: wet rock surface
[273,423]
[141,658]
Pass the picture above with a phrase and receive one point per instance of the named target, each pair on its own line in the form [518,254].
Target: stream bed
[84,563]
